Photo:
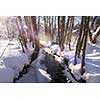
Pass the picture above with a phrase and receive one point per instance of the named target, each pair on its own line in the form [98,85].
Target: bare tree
[70,24]
[36,39]
[95,27]
[45,24]
[82,41]
[38,23]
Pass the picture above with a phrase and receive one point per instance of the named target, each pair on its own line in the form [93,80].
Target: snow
[94,33]
[92,67]
[69,76]
[6,74]
[93,63]
[56,49]
[40,69]
[13,60]
[30,77]
[76,70]
[46,43]
[71,56]
[30,49]
[43,42]
[92,78]
[16,61]
[25,27]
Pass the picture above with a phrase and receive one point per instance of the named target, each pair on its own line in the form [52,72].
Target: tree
[38,23]
[69,28]
[45,24]
[61,31]
[36,39]
[22,37]
[95,27]
[29,29]
[82,41]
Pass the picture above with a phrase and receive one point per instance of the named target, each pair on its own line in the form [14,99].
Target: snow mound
[15,60]
[55,49]
[76,70]
[6,74]
[43,76]
[71,57]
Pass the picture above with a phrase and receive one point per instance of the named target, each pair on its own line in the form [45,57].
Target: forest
[49,49]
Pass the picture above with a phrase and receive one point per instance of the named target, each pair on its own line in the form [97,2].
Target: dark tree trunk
[24,37]
[82,41]
[59,29]
[36,40]
[62,32]
[38,23]
[45,25]
[20,36]
[70,27]
[93,23]
[86,30]
[79,40]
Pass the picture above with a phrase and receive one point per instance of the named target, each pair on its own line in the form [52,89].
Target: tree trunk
[20,36]
[58,29]
[66,30]
[69,35]
[36,40]
[86,30]
[82,41]
[45,25]
[38,24]
[93,23]
[79,40]
[62,32]
[23,34]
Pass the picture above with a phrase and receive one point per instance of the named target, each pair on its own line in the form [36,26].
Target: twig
[4,50]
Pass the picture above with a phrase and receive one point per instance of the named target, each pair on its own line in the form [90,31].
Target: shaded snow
[40,69]
[30,77]
[13,60]
[92,67]
[76,70]
[6,74]
[93,63]
[16,61]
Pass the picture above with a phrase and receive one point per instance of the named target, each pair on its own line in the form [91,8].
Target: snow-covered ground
[93,62]
[13,60]
[30,77]
[92,68]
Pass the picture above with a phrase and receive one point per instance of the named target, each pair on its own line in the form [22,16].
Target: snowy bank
[6,74]
[16,61]
[40,69]
[13,61]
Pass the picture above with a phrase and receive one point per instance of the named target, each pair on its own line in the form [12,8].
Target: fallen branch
[4,50]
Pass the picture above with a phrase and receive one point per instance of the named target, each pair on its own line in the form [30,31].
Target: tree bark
[86,30]
[36,40]
[79,40]
[20,36]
